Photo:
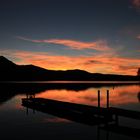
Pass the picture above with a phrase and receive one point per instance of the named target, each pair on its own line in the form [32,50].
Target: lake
[18,122]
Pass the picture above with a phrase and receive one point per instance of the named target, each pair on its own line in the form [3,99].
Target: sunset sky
[95,35]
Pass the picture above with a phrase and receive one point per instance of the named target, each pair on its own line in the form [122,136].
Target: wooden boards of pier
[86,109]
[125,113]
[123,130]
[90,115]
[84,112]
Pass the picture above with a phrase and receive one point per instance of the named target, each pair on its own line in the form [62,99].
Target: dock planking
[123,130]
[62,104]
[106,118]
[125,113]
[80,108]
[86,114]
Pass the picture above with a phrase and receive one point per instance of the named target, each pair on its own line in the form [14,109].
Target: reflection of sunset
[55,120]
[118,95]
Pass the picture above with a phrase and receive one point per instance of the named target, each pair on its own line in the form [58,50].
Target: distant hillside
[9,71]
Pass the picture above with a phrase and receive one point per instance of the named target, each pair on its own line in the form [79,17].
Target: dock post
[33,111]
[98,98]
[27,111]
[98,132]
[107,99]
[116,119]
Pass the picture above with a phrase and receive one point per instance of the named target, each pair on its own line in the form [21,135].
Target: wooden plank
[74,106]
[125,113]
[64,111]
[124,130]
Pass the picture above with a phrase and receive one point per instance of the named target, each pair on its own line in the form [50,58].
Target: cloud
[103,63]
[138,37]
[78,45]
[92,62]
[128,67]
[26,39]
[136,3]
[99,45]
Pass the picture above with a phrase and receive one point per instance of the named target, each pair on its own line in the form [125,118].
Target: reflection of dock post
[33,111]
[107,134]
[99,98]
[98,132]
[107,99]
[27,111]
[116,119]
[27,96]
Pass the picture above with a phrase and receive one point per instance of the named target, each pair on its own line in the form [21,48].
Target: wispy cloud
[103,63]
[138,37]
[100,45]
[78,45]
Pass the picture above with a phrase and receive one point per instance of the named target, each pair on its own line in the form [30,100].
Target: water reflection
[105,118]
[82,94]
[118,96]
[12,114]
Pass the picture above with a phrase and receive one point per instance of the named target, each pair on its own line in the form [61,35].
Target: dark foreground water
[16,123]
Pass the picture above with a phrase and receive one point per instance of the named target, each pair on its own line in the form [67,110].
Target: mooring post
[33,111]
[116,119]
[98,132]
[27,111]
[107,134]
[99,98]
[107,99]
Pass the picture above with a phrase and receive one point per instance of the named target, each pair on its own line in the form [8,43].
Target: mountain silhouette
[10,71]
[5,63]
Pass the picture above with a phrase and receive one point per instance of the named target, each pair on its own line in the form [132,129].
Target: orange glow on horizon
[103,63]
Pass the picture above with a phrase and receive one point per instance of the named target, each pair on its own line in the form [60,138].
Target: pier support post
[98,132]
[116,119]
[107,105]
[33,111]
[27,111]
[98,98]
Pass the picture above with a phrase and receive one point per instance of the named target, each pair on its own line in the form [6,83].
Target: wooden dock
[90,115]
[125,113]
[123,130]
[106,118]
[107,114]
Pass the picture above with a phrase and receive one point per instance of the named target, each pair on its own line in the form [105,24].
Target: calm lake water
[15,123]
